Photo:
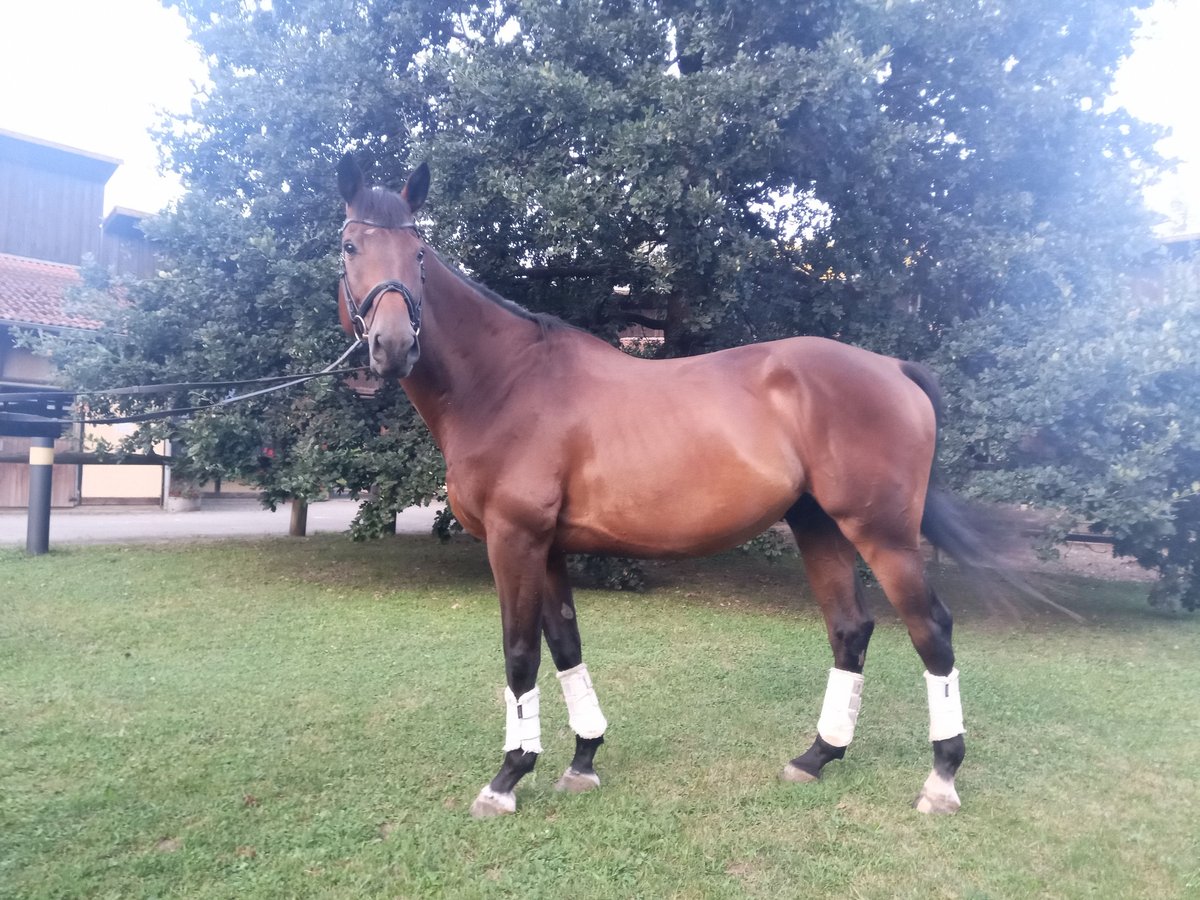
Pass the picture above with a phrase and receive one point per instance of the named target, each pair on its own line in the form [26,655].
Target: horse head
[382,285]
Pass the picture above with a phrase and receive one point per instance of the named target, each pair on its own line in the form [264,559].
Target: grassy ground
[313,718]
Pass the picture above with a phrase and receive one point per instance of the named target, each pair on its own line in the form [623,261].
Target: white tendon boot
[586,719]
[839,715]
[839,712]
[945,721]
[522,731]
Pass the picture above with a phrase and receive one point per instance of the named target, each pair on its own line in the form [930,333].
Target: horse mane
[547,321]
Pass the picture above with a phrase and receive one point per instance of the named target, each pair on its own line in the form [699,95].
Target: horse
[558,443]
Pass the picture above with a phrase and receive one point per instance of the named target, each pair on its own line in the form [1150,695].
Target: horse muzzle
[393,357]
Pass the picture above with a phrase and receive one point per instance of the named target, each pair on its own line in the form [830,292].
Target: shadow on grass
[733,580]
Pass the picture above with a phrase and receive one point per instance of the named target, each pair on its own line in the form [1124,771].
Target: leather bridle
[357,311]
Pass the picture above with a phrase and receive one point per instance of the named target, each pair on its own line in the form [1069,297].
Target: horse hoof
[937,797]
[490,803]
[577,782]
[797,775]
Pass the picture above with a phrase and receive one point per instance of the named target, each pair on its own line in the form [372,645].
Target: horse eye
[349,249]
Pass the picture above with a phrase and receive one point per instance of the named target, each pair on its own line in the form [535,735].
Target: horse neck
[468,345]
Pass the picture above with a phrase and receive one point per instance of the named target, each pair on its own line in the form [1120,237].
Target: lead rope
[331,369]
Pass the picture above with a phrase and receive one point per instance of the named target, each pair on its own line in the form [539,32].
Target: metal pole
[41,471]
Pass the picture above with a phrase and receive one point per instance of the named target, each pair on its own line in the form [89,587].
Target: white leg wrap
[583,707]
[945,706]
[839,712]
[522,723]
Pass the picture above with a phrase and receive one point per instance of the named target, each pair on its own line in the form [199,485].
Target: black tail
[981,539]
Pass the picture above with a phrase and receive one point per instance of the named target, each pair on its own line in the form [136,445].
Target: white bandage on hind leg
[945,706]
[583,707]
[839,712]
[523,724]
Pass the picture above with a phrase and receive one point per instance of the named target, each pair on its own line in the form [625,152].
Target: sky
[96,74]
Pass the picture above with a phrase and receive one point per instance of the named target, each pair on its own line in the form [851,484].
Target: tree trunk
[299,525]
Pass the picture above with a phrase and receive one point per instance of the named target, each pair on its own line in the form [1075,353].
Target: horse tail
[969,534]
[980,539]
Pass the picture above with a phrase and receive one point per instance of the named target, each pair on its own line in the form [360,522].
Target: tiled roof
[32,292]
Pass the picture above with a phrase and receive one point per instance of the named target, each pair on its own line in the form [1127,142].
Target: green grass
[312,718]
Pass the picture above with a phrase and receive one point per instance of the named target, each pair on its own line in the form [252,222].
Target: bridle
[358,312]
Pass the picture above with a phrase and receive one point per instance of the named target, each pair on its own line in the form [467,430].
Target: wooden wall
[48,215]
[14,477]
[126,251]
[51,199]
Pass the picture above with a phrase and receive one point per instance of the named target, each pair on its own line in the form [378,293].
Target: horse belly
[668,498]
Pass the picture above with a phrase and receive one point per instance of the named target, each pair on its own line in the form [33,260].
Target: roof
[122,220]
[33,292]
[41,154]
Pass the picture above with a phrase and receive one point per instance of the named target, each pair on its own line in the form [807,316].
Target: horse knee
[849,642]
[521,664]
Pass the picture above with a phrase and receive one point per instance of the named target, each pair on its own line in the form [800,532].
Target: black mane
[547,321]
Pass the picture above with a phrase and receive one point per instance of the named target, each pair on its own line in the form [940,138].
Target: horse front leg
[561,628]
[519,566]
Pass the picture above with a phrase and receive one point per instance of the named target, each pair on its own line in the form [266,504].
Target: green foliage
[863,170]
[774,544]
[610,572]
[1091,408]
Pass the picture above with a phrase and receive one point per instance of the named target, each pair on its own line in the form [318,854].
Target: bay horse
[557,443]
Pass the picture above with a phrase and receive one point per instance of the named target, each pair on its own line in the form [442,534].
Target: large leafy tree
[875,171]
[1091,409]
[898,174]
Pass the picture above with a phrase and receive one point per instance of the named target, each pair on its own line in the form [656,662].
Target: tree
[248,258]
[1091,409]
[870,171]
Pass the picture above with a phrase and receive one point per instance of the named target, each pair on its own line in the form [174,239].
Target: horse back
[717,447]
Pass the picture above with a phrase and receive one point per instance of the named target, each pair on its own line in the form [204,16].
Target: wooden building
[51,204]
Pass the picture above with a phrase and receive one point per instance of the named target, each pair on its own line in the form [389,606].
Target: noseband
[357,311]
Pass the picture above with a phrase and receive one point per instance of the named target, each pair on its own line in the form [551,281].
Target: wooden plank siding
[52,197]
[124,248]
[14,477]
[48,215]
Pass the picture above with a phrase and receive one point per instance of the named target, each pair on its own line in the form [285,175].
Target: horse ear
[416,189]
[350,177]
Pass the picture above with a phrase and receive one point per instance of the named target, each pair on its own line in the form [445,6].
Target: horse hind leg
[901,573]
[829,560]
[561,629]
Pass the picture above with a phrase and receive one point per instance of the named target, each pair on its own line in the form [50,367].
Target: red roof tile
[32,292]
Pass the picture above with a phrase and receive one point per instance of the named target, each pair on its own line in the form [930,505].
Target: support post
[299,526]
[41,472]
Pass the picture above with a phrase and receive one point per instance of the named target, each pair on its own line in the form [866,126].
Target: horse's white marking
[493,803]
[567,612]
[839,712]
[583,707]
[522,722]
[938,795]
[945,706]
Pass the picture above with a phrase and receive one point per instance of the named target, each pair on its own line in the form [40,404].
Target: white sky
[93,74]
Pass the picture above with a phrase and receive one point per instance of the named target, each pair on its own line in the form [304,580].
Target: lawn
[312,718]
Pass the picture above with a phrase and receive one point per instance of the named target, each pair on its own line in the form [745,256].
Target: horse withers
[557,443]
